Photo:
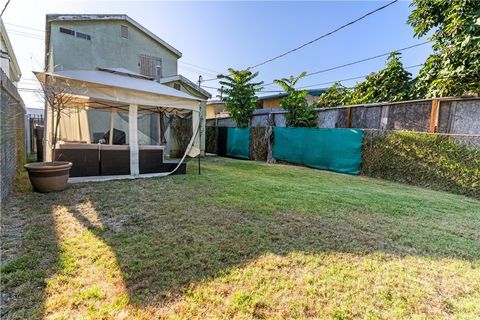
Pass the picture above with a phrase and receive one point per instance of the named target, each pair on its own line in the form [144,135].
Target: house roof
[215,102]
[186,82]
[312,92]
[11,54]
[106,17]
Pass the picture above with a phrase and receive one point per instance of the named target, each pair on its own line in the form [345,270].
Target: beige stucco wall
[105,49]
[213,109]
[275,102]
[271,103]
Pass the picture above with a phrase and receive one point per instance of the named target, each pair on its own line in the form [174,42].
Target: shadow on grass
[165,240]
[165,234]
[30,254]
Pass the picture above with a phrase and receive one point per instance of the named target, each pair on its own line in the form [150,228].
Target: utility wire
[316,39]
[329,82]
[25,34]
[359,61]
[322,36]
[5,8]
[24,27]
[354,78]
[199,67]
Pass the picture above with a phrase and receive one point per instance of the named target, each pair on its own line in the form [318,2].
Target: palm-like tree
[299,113]
[239,94]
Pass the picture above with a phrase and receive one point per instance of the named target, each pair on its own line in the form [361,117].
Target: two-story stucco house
[119,43]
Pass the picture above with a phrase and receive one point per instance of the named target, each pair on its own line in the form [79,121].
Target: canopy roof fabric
[126,72]
[120,88]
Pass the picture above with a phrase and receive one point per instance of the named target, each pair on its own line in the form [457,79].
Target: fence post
[348,118]
[432,128]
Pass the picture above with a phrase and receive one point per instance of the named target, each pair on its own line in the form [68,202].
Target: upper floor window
[75,34]
[151,66]
[67,31]
[124,31]
[83,35]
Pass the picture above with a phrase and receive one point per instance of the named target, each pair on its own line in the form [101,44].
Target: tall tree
[392,83]
[454,67]
[299,112]
[336,95]
[239,94]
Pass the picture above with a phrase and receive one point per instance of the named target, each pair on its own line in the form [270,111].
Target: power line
[5,8]
[261,90]
[199,67]
[329,82]
[354,78]
[25,34]
[360,61]
[24,27]
[323,35]
[195,70]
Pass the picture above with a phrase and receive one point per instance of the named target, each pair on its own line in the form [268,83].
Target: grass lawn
[243,240]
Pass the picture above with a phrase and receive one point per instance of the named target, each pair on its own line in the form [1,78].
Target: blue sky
[219,35]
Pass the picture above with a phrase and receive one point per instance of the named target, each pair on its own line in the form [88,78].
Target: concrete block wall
[455,115]
[465,117]
[12,126]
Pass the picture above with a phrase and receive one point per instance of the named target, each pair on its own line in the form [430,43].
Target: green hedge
[433,161]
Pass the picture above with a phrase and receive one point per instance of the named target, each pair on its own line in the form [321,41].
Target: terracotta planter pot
[48,176]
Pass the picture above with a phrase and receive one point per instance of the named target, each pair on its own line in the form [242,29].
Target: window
[176,86]
[149,64]
[83,35]
[67,31]
[124,32]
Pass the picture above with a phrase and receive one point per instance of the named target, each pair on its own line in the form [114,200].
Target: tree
[58,97]
[239,94]
[299,113]
[336,95]
[392,83]
[454,67]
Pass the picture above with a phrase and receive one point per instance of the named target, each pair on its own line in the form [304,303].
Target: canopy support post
[197,141]
[133,139]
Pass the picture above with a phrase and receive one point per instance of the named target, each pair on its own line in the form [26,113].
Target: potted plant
[52,176]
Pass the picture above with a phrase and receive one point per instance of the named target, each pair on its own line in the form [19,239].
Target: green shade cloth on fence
[238,142]
[338,150]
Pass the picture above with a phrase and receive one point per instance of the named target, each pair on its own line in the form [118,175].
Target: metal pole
[200,79]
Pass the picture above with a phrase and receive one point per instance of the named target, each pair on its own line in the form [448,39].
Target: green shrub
[432,161]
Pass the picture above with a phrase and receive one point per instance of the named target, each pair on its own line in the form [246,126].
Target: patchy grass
[243,240]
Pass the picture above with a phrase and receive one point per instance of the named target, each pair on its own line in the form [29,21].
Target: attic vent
[67,31]
[148,66]
[176,86]
[124,31]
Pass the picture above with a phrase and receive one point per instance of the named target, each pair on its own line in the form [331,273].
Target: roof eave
[187,82]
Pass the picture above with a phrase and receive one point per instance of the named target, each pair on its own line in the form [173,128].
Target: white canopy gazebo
[118,92]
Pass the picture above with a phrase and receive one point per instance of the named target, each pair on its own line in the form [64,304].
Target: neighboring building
[9,63]
[273,101]
[33,119]
[217,109]
[119,43]
[12,153]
